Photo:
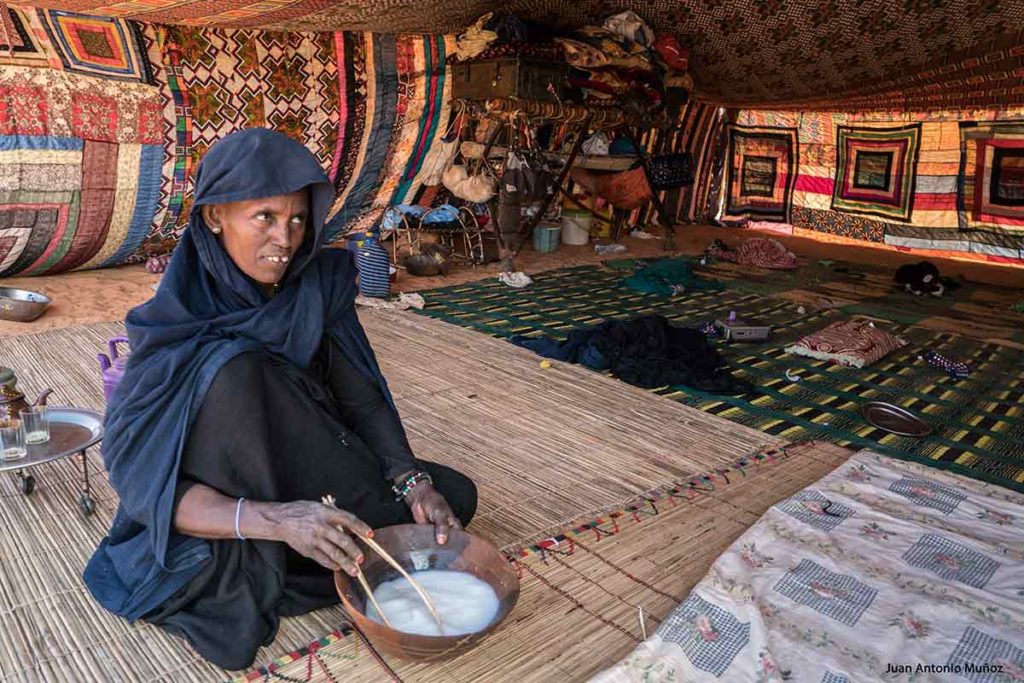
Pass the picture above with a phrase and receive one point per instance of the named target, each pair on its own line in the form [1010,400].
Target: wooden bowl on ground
[415,548]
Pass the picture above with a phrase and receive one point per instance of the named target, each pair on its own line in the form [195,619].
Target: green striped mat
[978,422]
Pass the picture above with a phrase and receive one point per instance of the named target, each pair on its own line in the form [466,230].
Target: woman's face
[261,235]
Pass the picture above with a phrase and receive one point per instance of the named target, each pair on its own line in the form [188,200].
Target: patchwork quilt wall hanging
[103,122]
[761,172]
[942,180]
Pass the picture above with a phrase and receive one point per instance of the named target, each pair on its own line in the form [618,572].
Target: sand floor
[107,295]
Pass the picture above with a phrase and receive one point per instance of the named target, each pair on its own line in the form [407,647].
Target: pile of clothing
[625,61]
[622,62]
[646,352]
[759,252]
[666,277]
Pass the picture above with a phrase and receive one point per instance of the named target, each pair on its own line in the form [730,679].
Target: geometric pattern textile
[929,494]
[985,659]
[19,43]
[937,180]
[991,187]
[345,96]
[815,509]
[104,120]
[951,560]
[73,202]
[893,617]
[762,172]
[97,46]
[874,54]
[841,597]
[876,170]
[710,636]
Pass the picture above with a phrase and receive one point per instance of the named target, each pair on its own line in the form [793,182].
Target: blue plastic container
[547,237]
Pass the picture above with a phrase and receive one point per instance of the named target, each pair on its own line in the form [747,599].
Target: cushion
[856,343]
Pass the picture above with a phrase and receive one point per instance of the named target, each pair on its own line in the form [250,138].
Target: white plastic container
[576,227]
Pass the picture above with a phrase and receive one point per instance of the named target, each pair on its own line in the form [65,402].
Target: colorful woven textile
[761,173]
[875,171]
[991,187]
[97,46]
[978,422]
[103,122]
[854,343]
[759,252]
[923,54]
[877,569]
[945,180]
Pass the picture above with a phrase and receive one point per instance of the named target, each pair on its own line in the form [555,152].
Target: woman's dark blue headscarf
[205,313]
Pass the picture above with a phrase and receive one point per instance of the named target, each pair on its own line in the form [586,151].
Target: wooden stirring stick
[330,500]
[369,593]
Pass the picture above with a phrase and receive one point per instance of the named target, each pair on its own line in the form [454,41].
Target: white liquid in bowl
[466,604]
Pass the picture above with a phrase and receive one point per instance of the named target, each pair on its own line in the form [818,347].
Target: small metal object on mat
[21,305]
[894,419]
[72,432]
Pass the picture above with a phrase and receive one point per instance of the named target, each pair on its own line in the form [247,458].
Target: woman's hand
[321,533]
[429,507]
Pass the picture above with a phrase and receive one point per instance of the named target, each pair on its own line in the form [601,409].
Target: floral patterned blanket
[882,570]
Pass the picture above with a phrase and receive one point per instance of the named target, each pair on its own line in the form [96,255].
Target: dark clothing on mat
[269,430]
[647,352]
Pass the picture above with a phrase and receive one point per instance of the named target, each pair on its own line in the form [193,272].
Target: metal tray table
[72,431]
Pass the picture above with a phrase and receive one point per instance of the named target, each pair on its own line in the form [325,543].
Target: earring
[215,231]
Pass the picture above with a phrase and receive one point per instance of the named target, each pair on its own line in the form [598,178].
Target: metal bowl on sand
[22,305]
[415,548]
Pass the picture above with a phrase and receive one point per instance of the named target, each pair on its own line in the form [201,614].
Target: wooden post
[666,224]
[559,185]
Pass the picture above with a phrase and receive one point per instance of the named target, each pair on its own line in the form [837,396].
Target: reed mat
[582,590]
[978,422]
[547,448]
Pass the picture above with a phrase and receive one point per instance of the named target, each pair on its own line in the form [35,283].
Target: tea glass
[12,440]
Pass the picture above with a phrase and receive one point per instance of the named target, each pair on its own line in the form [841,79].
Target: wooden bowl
[415,548]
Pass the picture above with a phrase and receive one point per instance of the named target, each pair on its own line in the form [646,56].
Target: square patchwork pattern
[97,46]
[876,171]
[75,203]
[832,677]
[710,636]
[990,189]
[928,493]
[951,561]
[811,507]
[838,596]
[977,649]
[19,46]
[762,172]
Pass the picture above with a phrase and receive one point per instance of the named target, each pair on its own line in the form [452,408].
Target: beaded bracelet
[411,482]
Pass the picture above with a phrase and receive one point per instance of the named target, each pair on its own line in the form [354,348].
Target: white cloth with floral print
[879,567]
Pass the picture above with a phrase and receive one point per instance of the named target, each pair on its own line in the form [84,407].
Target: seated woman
[251,392]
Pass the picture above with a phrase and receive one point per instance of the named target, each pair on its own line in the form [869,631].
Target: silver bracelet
[238,517]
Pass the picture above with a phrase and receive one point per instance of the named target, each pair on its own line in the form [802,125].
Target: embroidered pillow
[855,343]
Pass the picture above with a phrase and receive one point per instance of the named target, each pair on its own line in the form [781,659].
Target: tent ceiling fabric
[863,53]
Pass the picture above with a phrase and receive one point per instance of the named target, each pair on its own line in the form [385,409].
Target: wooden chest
[521,77]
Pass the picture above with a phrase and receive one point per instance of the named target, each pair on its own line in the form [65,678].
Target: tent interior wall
[105,116]
[592,398]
